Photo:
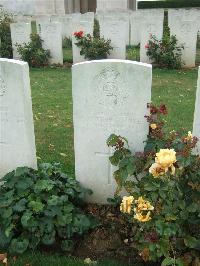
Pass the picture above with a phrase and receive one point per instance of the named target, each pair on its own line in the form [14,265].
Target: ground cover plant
[41,207]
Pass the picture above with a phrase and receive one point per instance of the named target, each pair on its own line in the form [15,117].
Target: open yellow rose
[143,218]
[157,170]
[166,158]
[126,204]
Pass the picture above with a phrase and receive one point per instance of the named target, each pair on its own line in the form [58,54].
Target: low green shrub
[168,4]
[5,35]
[93,47]
[41,207]
[164,193]
[165,53]
[33,52]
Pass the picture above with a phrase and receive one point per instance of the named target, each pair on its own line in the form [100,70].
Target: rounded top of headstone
[13,61]
[114,61]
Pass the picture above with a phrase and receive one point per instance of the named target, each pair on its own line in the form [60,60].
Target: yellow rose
[126,204]
[157,170]
[153,126]
[189,136]
[166,158]
[143,218]
[143,205]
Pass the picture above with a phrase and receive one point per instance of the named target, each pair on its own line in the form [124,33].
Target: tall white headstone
[114,30]
[135,23]
[87,28]
[103,5]
[20,34]
[51,34]
[109,96]
[59,7]
[151,25]
[17,140]
[196,122]
[184,24]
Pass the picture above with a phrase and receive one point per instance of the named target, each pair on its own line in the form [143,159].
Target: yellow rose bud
[143,218]
[153,126]
[157,170]
[126,204]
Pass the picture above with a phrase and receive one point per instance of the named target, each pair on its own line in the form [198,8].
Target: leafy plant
[33,52]
[163,183]
[5,35]
[165,53]
[41,207]
[67,43]
[92,47]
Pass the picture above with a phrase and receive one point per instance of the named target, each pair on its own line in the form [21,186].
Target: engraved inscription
[3,125]
[2,87]
[109,86]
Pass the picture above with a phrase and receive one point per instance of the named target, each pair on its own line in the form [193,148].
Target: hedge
[169,4]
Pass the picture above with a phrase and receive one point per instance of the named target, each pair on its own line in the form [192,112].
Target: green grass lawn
[52,106]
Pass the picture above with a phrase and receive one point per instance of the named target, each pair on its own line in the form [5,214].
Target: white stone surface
[20,34]
[135,23]
[109,96]
[59,7]
[51,34]
[116,31]
[17,140]
[185,25]
[196,122]
[151,25]
[103,5]
[120,16]
[87,27]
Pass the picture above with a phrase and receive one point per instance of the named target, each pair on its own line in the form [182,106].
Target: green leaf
[46,185]
[21,171]
[168,261]
[49,239]
[36,206]
[191,242]
[20,206]
[25,218]
[112,140]
[24,183]
[18,246]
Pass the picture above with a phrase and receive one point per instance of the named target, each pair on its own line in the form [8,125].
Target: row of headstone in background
[124,28]
[17,140]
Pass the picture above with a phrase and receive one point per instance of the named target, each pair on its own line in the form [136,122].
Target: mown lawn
[52,106]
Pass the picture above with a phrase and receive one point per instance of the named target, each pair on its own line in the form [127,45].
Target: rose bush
[164,187]
[92,47]
[165,53]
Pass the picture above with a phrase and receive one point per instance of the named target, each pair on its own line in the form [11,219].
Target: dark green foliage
[165,53]
[96,32]
[67,43]
[33,52]
[169,4]
[5,35]
[41,207]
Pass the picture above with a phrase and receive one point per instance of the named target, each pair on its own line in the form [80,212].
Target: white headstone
[109,96]
[103,5]
[51,34]
[120,16]
[17,140]
[196,122]
[116,31]
[44,7]
[152,25]
[87,28]
[59,7]
[184,25]
[135,23]
[20,34]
